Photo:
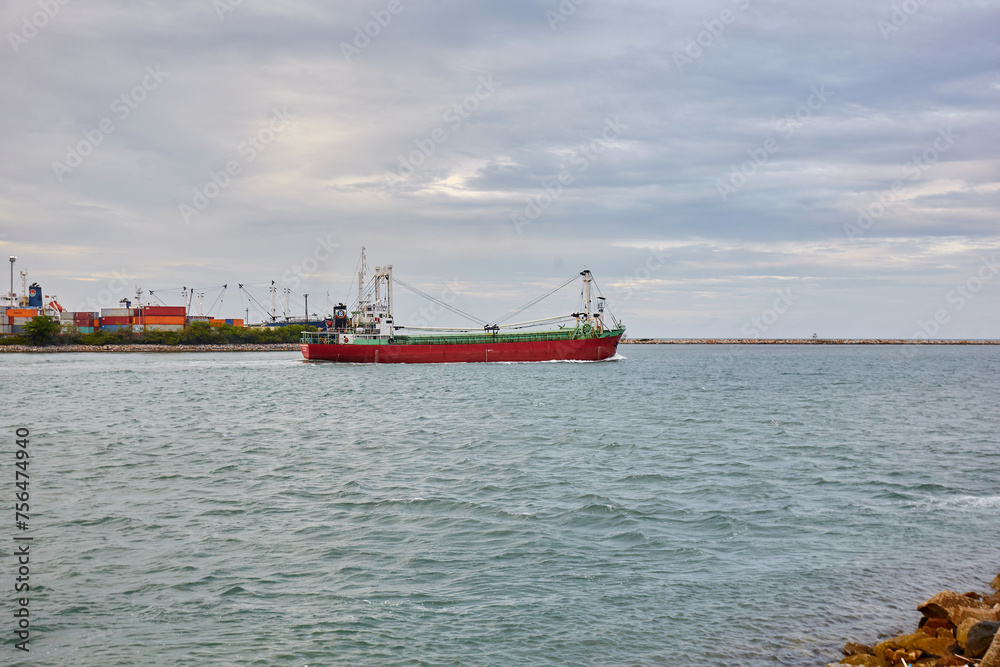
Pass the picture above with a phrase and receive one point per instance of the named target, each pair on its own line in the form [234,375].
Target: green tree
[198,333]
[41,330]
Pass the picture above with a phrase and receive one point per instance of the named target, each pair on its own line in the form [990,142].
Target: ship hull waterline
[582,349]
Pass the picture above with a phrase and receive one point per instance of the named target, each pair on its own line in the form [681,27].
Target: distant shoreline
[140,347]
[802,341]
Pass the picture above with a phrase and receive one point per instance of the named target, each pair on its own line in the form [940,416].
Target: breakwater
[803,341]
[956,629]
[237,347]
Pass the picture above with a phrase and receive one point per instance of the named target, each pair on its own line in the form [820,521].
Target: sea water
[683,505]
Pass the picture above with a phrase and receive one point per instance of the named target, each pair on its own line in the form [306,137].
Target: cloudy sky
[724,167]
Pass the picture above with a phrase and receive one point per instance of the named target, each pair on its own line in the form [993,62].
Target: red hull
[586,349]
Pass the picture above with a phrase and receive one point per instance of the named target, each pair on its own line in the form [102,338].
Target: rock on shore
[236,347]
[956,629]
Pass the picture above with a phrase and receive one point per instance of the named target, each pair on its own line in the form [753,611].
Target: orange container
[22,312]
[162,319]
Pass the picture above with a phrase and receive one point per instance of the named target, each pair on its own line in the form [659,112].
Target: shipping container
[16,329]
[164,319]
[199,318]
[167,311]
[22,312]
[66,316]
[164,327]
[85,330]
[88,316]
[114,312]
[20,321]
[112,319]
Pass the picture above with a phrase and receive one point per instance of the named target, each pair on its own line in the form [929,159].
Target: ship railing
[314,337]
[331,337]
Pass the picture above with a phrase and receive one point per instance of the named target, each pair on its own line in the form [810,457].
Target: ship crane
[24,288]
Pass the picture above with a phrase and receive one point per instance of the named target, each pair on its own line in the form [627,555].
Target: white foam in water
[616,357]
[951,503]
[973,502]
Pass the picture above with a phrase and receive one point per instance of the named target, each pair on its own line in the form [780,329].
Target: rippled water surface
[687,505]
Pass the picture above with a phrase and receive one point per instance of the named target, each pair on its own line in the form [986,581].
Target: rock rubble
[956,629]
[235,347]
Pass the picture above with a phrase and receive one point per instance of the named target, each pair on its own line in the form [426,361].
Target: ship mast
[388,282]
[586,292]
[12,295]
[384,274]
[361,283]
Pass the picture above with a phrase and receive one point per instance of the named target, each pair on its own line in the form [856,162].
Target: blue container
[85,329]
[115,327]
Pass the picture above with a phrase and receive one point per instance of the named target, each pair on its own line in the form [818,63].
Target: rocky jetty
[804,341]
[955,629]
[245,347]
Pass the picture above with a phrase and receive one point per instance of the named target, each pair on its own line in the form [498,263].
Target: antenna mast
[361,279]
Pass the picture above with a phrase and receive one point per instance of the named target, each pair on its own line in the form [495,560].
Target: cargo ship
[368,335]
